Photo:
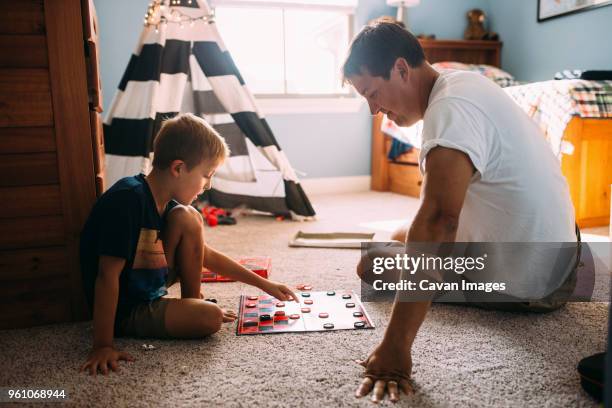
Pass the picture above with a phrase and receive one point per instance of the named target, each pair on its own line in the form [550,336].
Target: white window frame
[292,103]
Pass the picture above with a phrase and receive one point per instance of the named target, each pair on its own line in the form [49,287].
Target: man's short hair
[188,138]
[378,45]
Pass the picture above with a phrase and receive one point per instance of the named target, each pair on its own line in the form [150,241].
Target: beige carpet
[462,356]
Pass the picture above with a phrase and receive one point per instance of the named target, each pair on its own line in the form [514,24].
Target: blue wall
[119,26]
[326,144]
[534,51]
[444,18]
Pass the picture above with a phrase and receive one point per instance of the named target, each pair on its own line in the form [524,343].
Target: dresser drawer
[405,179]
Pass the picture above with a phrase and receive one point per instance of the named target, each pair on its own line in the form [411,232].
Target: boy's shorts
[149,319]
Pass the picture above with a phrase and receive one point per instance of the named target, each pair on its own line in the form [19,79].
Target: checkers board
[316,311]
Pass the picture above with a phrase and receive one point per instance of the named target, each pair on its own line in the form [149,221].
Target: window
[283,50]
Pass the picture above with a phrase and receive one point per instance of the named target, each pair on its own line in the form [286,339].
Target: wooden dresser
[51,156]
[402,175]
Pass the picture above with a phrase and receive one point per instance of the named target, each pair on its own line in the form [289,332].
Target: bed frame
[588,170]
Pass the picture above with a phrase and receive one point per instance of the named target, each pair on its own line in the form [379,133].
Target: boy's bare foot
[229,316]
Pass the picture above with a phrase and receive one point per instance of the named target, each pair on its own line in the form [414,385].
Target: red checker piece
[251,305]
[308,302]
[305,310]
[280,304]
[323,315]
[253,297]
[279,313]
[294,316]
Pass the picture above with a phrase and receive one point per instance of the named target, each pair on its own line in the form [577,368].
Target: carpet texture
[462,356]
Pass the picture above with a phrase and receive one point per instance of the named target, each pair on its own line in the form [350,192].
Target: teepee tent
[181,65]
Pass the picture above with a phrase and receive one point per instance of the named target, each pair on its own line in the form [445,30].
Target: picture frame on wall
[548,9]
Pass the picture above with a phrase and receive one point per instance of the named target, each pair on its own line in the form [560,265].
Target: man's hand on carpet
[101,358]
[229,316]
[388,370]
[279,291]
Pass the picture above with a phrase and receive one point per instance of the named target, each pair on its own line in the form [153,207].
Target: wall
[444,18]
[534,51]
[119,25]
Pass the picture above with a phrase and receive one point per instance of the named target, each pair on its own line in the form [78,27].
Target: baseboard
[336,185]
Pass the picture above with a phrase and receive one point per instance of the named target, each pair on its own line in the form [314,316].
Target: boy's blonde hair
[188,138]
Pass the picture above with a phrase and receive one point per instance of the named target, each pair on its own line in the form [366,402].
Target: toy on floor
[316,311]
[261,265]
[216,216]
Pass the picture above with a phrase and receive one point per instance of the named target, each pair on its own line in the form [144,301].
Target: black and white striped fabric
[186,68]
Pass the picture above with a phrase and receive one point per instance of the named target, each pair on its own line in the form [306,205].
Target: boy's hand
[279,291]
[101,358]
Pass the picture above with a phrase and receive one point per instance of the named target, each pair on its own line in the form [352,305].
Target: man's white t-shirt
[518,193]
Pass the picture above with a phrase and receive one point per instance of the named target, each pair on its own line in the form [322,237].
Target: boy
[142,235]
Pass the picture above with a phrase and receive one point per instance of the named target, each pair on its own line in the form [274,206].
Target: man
[489,176]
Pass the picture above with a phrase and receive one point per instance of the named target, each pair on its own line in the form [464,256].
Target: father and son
[488,176]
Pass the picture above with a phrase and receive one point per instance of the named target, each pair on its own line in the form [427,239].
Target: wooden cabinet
[50,156]
[588,169]
[402,177]
[467,51]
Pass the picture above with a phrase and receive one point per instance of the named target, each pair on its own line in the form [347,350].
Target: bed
[575,116]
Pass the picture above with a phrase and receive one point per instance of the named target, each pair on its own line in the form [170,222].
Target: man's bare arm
[447,176]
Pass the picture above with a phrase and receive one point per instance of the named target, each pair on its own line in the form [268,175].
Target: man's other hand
[388,371]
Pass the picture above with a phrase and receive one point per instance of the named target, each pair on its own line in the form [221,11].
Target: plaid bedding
[500,77]
[553,103]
